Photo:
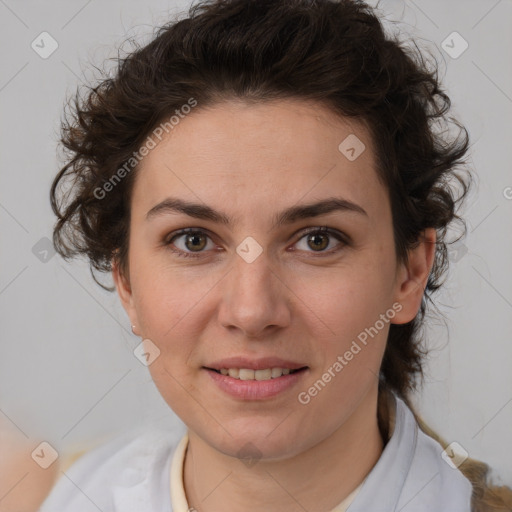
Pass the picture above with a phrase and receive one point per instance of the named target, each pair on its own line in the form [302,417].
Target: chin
[254,441]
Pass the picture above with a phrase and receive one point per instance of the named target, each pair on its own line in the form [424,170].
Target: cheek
[356,308]
[165,296]
[352,308]
[346,299]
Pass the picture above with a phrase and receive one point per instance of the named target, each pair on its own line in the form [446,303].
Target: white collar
[410,475]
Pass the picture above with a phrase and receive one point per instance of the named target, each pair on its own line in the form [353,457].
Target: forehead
[238,153]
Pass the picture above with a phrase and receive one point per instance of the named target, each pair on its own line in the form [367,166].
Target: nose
[255,298]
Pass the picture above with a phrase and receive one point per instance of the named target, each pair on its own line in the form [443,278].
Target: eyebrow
[288,216]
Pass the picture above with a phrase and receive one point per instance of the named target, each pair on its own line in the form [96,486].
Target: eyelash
[322,230]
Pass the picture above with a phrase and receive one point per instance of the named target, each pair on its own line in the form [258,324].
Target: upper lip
[254,364]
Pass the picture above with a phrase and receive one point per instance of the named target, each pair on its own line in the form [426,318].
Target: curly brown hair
[335,53]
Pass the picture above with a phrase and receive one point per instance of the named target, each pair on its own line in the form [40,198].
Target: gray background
[67,371]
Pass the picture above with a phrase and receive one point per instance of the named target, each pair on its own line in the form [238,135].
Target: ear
[124,291]
[412,277]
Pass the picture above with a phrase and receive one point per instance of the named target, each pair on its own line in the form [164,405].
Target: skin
[23,484]
[294,301]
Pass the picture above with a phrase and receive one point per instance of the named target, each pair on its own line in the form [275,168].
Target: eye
[193,242]
[189,242]
[319,239]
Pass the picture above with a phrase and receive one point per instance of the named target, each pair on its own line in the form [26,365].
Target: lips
[255,389]
[254,364]
[255,379]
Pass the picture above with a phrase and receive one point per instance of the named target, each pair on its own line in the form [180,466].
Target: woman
[267,183]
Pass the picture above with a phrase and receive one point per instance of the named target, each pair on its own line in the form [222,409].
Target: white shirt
[133,473]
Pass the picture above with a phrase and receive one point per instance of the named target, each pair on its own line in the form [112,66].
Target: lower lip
[255,389]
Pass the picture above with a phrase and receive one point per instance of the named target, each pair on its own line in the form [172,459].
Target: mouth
[258,375]
[249,384]
[249,374]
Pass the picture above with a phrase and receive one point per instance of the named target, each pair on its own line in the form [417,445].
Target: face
[257,279]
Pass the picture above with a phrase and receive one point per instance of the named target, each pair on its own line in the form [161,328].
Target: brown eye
[195,241]
[189,243]
[318,241]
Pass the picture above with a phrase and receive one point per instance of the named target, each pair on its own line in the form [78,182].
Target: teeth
[248,374]
[263,374]
[245,374]
[277,372]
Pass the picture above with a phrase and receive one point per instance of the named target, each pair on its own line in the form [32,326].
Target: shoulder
[126,473]
[411,474]
[432,483]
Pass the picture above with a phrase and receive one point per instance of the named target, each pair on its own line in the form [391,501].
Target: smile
[248,374]
[248,384]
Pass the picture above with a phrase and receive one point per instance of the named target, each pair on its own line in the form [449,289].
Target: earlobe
[413,276]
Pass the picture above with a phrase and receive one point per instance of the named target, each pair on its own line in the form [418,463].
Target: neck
[317,479]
